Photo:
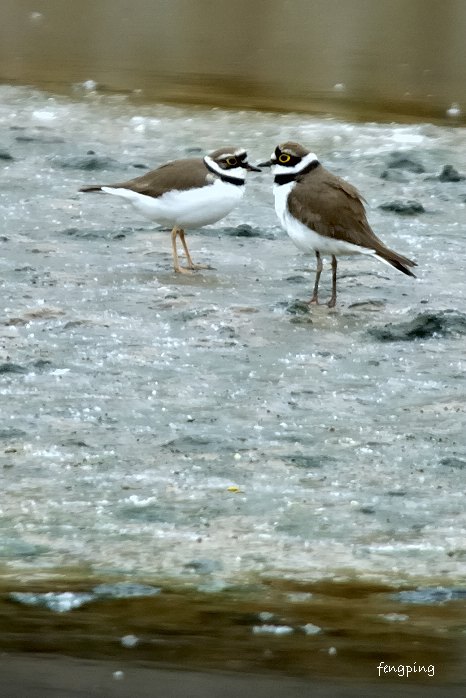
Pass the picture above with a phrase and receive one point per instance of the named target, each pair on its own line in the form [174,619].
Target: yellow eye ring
[232,162]
[284,158]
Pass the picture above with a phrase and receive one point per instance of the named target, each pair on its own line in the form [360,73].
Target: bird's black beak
[267,163]
[250,168]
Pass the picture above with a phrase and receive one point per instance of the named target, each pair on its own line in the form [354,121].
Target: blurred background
[403,57]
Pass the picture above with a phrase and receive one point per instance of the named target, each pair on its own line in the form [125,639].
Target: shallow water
[403,57]
[203,429]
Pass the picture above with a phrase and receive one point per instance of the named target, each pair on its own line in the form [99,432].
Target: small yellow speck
[233,488]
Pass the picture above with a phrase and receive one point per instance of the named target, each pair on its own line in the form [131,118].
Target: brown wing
[181,175]
[332,207]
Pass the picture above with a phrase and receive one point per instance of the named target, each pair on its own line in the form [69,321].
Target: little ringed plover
[188,193]
[323,213]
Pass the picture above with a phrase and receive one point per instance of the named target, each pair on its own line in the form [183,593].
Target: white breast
[192,208]
[306,239]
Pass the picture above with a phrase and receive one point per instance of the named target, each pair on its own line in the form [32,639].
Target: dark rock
[394,175]
[42,364]
[140,166]
[75,442]
[297,279]
[71,324]
[301,320]
[86,234]
[367,510]
[453,462]
[194,314]
[204,566]
[298,307]
[12,368]
[309,462]
[228,331]
[367,305]
[85,162]
[5,155]
[45,140]
[12,433]
[243,231]
[404,208]
[404,161]
[148,514]
[188,444]
[423,326]
[449,174]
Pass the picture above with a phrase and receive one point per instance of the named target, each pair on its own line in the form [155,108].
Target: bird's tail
[396,260]
[115,190]
[92,187]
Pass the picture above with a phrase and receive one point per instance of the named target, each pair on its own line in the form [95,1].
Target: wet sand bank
[202,431]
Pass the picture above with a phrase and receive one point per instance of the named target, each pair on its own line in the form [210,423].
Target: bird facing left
[187,193]
[323,213]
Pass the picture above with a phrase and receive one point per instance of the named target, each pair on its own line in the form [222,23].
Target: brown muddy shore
[284,639]
[46,676]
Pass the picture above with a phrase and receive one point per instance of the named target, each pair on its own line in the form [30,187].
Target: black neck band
[293,176]
[225,177]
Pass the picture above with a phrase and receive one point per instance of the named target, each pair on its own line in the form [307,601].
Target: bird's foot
[183,270]
[332,302]
[314,301]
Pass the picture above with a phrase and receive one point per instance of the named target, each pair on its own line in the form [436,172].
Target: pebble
[453,462]
[404,161]
[450,174]
[404,208]
[204,566]
[272,629]
[394,175]
[298,307]
[422,326]
[129,641]
[243,231]
[85,162]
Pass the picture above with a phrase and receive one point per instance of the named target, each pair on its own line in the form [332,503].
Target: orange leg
[191,264]
[176,262]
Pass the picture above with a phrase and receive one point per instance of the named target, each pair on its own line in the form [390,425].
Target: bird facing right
[188,193]
[323,213]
